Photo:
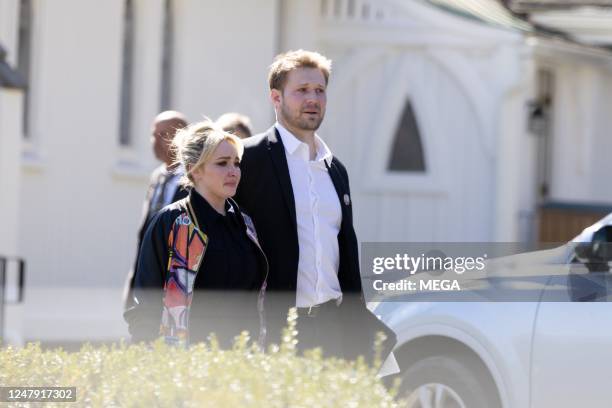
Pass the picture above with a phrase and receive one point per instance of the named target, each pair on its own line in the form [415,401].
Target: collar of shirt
[293,146]
[172,171]
[205,212]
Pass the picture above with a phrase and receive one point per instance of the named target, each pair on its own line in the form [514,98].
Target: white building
[429,107]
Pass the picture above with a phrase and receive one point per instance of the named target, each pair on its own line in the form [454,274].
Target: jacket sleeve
[145,316]
[350,244]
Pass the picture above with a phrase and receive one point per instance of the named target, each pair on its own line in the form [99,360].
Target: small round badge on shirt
[347,199]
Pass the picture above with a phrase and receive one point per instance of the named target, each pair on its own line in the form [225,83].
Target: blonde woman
[200,267]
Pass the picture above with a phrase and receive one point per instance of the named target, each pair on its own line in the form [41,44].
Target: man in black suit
[298,195]
[164,185]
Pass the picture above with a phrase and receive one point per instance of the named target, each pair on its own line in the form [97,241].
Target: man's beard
[301,122]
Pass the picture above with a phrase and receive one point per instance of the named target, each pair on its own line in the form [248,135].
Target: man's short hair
[287,62]
[172,116]
[235,123]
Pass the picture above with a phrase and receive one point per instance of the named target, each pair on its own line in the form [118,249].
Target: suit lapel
[279,158]
[341,190]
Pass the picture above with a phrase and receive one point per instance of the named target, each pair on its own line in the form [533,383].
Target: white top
[318,214]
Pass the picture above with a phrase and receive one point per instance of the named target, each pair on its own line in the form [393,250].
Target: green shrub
[152,375]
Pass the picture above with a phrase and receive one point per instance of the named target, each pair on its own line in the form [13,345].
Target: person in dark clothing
[236,123]
[200,267]
[164,187]
[298,194]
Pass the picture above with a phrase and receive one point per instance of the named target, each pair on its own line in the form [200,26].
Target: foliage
[202,375]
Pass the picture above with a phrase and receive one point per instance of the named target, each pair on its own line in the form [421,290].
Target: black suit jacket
[266,194]
[179,194]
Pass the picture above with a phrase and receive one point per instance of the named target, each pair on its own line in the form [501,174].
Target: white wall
[601,158]
[525,168]
[223,51]
[81,218]
[11,219]
[81,191]
[452,200]
[11,102]
[298,24]
[11,108]
[9,12]
[581,141]
[458,80]
[515,180]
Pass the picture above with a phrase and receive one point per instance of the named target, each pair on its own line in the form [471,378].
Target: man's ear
[275,97]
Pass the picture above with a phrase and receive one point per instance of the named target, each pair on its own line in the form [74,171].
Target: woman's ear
[196,172]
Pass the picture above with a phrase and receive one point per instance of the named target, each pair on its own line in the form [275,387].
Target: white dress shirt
[318,214]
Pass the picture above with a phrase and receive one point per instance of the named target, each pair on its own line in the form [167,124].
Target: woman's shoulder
[176,207]
[167,215]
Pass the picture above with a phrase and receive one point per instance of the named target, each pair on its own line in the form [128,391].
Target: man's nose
[313,97]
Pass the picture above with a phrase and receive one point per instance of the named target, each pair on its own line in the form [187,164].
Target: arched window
[167,55]
[407,149]
[125,138]
[24,58]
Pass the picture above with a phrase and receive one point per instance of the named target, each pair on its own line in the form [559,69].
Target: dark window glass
[167,54]
[126,74]
[24,58]
[407,151]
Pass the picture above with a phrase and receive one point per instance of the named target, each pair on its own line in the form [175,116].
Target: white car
[556,352]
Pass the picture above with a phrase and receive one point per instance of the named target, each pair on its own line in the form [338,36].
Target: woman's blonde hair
[194,145]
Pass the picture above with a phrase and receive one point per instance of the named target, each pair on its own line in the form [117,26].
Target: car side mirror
[599,249]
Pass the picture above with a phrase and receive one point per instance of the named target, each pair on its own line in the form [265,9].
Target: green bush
[152,375]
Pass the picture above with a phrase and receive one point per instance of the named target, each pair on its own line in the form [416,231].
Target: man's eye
[320,91]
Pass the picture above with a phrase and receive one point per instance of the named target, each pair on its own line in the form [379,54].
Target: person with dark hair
[163,187]
[236,124]
[298,194]
[200,267]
